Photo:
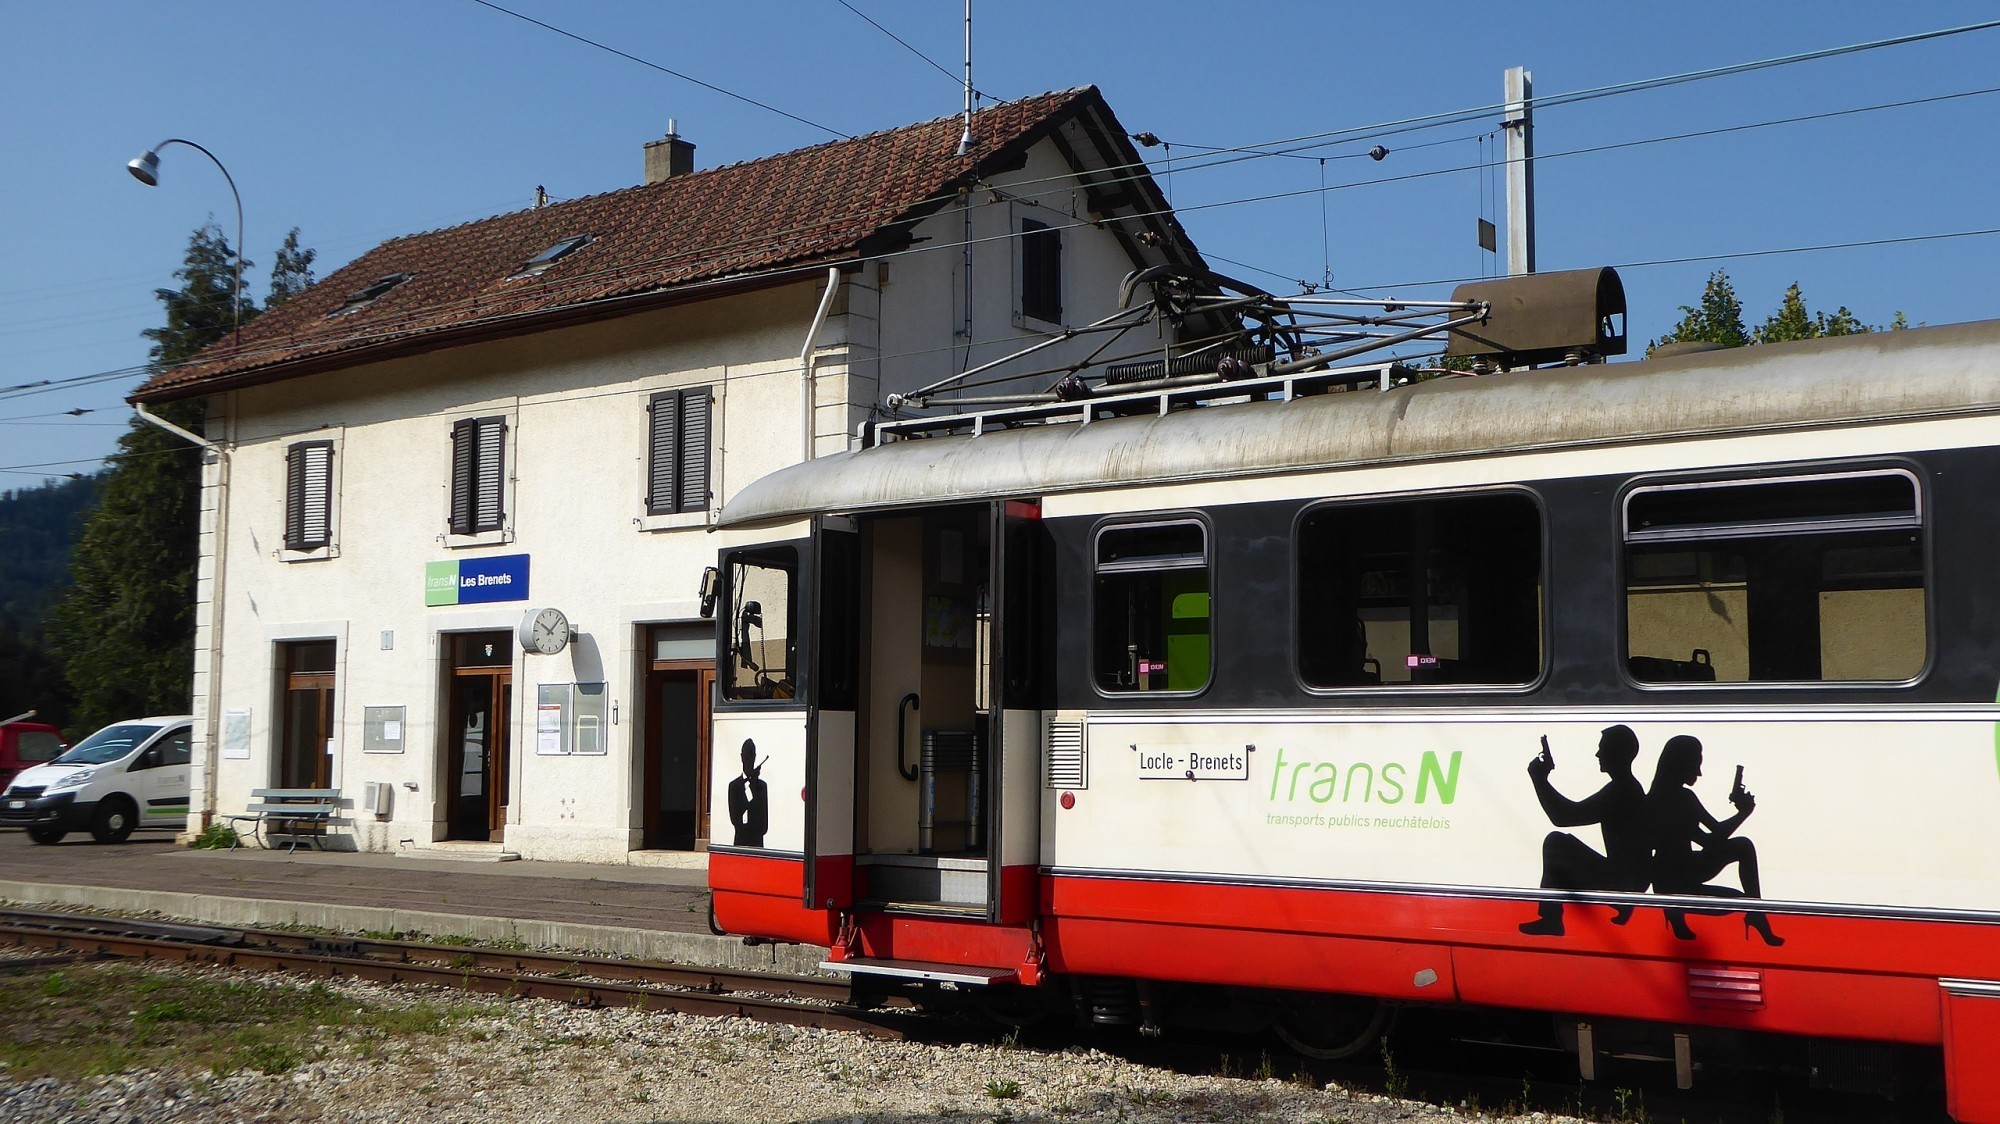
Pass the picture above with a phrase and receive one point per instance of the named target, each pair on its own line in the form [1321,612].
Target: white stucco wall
[925,295]
[575,403]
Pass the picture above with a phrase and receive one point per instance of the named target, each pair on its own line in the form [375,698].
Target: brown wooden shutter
[464,453]
[694,449]
[662,441]
[309,495]
[491,481]
[677,443]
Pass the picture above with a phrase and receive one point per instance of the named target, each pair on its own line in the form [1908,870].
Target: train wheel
[1333,1027]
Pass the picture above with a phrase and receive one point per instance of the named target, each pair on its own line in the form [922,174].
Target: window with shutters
[1038,289]
[478,475]
[677,451]
[309,496]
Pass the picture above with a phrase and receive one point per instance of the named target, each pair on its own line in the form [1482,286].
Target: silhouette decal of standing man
[749,801]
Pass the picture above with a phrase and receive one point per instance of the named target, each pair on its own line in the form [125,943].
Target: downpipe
[210,723]
[806,362]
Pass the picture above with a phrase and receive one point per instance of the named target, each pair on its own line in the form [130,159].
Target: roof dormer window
[542,261]
[362,298]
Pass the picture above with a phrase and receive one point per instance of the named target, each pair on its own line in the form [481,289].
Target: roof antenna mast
[965,139]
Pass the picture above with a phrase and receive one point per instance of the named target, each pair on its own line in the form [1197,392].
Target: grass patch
[105,1019]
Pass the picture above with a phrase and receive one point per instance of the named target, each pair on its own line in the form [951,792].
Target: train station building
[457,495]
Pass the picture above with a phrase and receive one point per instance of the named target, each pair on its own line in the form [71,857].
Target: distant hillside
[37,528]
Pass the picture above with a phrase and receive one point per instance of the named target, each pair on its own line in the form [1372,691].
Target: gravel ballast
[538,1061]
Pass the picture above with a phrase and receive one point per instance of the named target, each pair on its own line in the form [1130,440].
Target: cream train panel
[1651,456]
[760,805]
[1876,809]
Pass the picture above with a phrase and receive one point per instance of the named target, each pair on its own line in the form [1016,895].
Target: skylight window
[542,261]
[362,298]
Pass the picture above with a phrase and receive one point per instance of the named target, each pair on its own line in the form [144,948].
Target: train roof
[1869,378]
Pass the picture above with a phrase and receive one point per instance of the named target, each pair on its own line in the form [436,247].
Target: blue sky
[363,120]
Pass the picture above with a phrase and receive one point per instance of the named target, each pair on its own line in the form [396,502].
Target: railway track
[1432,1063]
[581,981]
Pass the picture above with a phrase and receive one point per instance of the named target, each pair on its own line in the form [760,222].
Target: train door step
[921,970]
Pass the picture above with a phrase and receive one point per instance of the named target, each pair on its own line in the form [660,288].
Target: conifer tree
[1793,321]
[124,630]
[292,273]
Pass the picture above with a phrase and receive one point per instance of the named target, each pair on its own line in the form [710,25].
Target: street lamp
[146,169]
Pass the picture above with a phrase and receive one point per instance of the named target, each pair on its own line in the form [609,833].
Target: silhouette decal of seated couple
[1661,837]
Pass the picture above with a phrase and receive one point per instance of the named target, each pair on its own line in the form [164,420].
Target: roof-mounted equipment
[1576,316]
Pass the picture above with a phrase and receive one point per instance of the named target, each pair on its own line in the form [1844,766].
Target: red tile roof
[814,206]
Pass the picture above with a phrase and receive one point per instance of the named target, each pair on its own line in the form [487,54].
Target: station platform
[654,911]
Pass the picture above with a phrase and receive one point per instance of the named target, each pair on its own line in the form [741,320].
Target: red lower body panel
[1971,1030]
[1843,977]
[764,896]
[1846,977]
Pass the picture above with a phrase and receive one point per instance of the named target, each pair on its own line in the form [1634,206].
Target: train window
[763,588]
[1151,605]
[1789,579]
[1421,591]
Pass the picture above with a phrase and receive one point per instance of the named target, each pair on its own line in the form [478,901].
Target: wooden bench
[296,813]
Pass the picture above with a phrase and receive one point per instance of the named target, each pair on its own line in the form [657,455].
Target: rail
[581,981]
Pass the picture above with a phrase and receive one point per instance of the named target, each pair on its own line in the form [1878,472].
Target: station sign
[476,581]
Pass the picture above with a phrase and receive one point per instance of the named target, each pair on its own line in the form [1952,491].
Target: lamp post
[146,169]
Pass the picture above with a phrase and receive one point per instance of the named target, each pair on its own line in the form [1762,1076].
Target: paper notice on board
[548,730]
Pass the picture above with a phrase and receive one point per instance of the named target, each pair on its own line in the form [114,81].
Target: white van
[129,774]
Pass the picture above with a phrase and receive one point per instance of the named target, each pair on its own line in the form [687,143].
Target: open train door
[1021,643]
[785,690]
[834,658]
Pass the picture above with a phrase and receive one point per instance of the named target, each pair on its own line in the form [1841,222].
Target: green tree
[1718,319]
[292,273]
[38,526]
[1793,321]
[200,311]
[124,630]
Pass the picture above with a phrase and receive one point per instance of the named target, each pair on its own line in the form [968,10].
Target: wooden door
[674,787]
[478,742]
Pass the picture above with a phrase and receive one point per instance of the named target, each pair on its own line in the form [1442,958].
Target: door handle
[910,700]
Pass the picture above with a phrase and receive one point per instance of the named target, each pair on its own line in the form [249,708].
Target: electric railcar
[1659,696]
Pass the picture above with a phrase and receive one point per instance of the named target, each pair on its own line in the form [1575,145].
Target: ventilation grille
[1738,988]
[1067,765]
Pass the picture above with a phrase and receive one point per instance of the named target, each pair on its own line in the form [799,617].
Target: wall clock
[544,630]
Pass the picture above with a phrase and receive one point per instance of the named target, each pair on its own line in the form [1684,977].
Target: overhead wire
[1574,97]
[934,64]
[710,86]
[1133,172]
[379,329]
[917,353]
[1357,134]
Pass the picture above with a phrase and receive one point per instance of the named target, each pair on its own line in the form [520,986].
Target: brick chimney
[669,156]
